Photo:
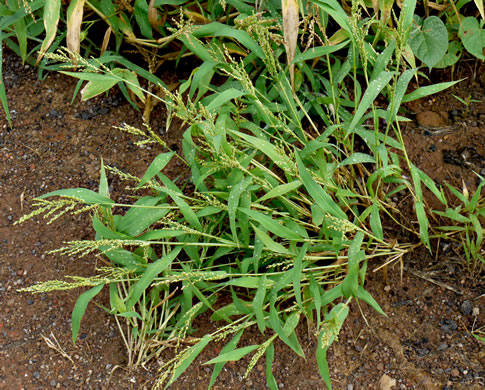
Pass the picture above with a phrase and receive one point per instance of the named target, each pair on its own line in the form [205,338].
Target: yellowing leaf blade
[290,30]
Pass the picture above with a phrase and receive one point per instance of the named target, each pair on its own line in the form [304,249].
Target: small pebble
[448,326]
[466,308]
[442,347]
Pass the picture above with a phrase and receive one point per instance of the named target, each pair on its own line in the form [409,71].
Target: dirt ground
[432,304]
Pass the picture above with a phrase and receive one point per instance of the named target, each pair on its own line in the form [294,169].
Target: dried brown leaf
[290,29]
[74,20]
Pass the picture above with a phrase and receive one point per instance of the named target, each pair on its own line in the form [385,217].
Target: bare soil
[432,302]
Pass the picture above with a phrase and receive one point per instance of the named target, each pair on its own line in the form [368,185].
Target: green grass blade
[317,193]
[184,208]
[268,242]
[383,60]
[357,158]
[373,90]
[103,182]
[334,9]
[258,304]
[280,190]
[420,210]
[276,325]
[297,270]
[335,320]
[155,167]
[141,17]
[95,88]
[428,182]
[19,14]
[216,29]
[233,202]
[140,218]
[3,94]
[272,225]
[317,298]
[267,148]
[250,282]
[408,14]
[351,282]
[331,295]
[375,221]
[428,90]
[322,360]
[270,379]
[367,298]
[320,51]
[87,196]
[233,356]
[20,30]
[221,98]
[401,88]
[151,272]
[189,357]
[80,308]
[227,348]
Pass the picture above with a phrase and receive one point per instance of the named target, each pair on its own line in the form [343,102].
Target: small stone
[380,366]
[386,382]
[442,347]
[454,372]
[448,326]
[36,374]
[53,383]
[466,308]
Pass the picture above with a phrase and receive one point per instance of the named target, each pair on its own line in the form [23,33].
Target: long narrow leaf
[373,90]
[233,356]
[189,357]
[428,90]
[80,308]
[3,94]
[280,190]
[227,348]
[258,304]
[272,225]
[151,272]
[317,193]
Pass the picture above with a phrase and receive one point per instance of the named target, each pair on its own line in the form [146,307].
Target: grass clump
[289,185]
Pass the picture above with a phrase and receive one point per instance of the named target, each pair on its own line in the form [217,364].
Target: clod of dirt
[432,119]
[386,382]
